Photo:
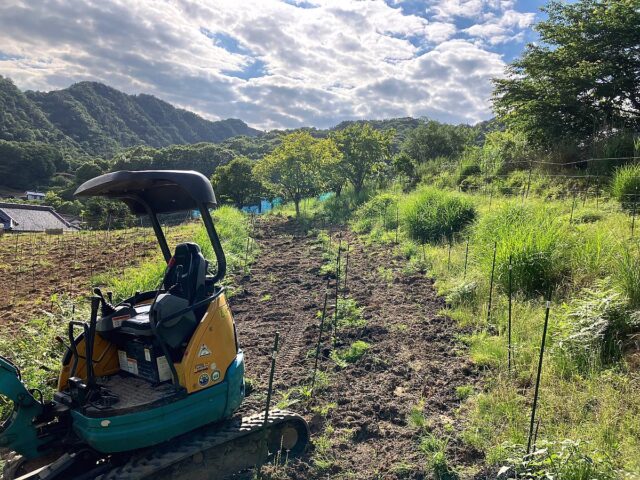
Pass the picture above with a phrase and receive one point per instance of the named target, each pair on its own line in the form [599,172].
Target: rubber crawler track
[195,443]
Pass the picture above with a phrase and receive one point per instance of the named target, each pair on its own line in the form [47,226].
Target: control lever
[107,307]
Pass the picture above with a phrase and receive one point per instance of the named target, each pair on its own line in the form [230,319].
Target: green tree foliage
[405,167]
[202,157]
[296,168]
[87,171]
[363,150]
[61,205]
[253,147]
[236,182]
[581,79]
[27,165]
[434,139]
[100,213]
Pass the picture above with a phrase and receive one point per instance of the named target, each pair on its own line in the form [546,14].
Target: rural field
[365,240]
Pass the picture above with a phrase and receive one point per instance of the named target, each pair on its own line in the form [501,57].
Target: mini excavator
[149,387]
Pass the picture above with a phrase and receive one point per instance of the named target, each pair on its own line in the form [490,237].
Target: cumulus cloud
[272,63]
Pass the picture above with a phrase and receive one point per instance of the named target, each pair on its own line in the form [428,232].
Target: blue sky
[275,63]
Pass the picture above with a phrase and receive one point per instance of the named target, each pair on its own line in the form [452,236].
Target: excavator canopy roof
[163,191]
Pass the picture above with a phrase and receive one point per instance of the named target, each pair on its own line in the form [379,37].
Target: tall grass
[626,185]
[433,215]
[533,239]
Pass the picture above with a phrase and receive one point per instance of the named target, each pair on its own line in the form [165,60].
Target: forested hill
[100,120]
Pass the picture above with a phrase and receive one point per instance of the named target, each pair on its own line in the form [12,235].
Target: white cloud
[507,26]
[271,63]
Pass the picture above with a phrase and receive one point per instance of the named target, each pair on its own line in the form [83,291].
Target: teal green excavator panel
[159,424]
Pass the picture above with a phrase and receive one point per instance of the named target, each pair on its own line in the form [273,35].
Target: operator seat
[183,287]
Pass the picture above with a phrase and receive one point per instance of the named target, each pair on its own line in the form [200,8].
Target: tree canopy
[434,139]
[581,79]
[295,169]
[235,182]
[363,149]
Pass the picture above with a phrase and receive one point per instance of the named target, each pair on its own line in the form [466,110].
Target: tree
[87,171]
[27,165]
[235,181]
[581,79]
[434,139]
[405,167]
[362,148]
[295,169]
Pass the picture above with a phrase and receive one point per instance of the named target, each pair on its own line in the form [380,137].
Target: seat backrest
[186,277]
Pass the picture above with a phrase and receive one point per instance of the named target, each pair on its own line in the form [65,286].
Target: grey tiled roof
[31,218]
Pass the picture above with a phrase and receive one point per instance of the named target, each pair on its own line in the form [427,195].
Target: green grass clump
[434,450]
[431,215]
[533,238]
[378,212]
[351,355]
[627,273]
[625,186]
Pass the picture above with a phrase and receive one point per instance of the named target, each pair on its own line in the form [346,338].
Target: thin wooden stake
[539,374]
[315,365]
[493,268]
[466,258]
[335,320]
[397,222]
[346,272]
[509,318]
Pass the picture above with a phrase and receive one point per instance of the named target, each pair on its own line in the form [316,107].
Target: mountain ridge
[97,119]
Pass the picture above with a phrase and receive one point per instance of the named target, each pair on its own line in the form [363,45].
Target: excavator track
[215,454]
[211,452]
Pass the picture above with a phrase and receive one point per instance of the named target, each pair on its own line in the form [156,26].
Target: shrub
[588,215]
[431,215]
[464,294]
[535,241]
[468,168]
[625,186]
[598,323]
[379,211]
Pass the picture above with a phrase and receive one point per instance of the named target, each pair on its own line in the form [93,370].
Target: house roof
[32,218]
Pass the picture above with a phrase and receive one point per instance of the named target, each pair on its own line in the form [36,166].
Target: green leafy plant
[566,460]
[351,355]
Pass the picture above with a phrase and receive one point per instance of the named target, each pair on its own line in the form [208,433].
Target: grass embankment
[34,349]
[584,257]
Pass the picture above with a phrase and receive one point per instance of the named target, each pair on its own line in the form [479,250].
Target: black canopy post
[162,240]
[215,243]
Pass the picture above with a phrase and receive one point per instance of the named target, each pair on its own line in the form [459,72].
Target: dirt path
[359,421]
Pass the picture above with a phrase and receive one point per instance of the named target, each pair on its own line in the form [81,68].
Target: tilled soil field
[33,267]
[359,418]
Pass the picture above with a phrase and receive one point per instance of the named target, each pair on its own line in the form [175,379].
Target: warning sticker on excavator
[215,376]
[204,351]
[127,364]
